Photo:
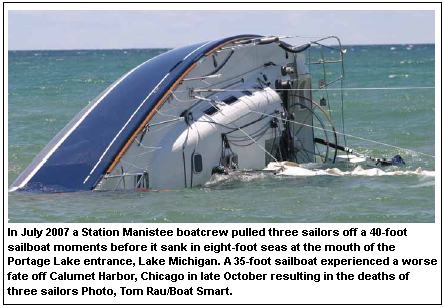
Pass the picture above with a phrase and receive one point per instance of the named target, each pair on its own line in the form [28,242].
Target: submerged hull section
[78,157]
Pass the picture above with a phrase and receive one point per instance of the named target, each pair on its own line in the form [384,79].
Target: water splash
[227,179]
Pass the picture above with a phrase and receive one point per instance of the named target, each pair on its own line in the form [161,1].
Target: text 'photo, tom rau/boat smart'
[234,105]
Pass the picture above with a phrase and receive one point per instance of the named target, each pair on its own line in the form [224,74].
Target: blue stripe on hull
[74,159]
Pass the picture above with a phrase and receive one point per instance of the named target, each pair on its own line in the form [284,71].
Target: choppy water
[47,88]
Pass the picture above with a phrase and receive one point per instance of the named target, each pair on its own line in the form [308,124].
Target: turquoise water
[47,88]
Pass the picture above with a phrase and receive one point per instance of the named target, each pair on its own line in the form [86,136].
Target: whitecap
[401,75]
[218,179]
[292,169]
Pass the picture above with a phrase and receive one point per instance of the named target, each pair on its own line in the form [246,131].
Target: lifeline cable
[348,135]
[330,89]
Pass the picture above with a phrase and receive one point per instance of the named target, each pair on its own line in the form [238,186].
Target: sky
[37,30]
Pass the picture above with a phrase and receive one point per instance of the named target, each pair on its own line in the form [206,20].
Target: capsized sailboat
[237,103]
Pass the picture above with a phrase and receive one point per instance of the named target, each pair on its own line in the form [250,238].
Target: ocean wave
[401,75]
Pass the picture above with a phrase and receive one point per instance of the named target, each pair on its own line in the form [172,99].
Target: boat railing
[141,179]
[340,59]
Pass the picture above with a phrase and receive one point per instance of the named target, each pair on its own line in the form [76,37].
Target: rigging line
[247,100]
[305,36]
[147,152]
[203,77]
[248,124]
[326,46]
[330,89]
[245,145]
[207,96]
[238,61]
[136,157]
[319,152]
[305,152]
[217,69]
[120,175]
[182,101]
[348,135]
[137,167]
[215,123]
[232,122]
[256,136]
[232,129]
[144,146]
[325,81]
[305,120]
[203,80]
[167,115]
[173,109]
[236,47]
[325,133]
[152,149]
[342,112]
[151,131]
[329,120]
[237,76]
[316,154]
[165,122]
[120,180]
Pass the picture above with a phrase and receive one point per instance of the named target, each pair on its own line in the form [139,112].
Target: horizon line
[141,48]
